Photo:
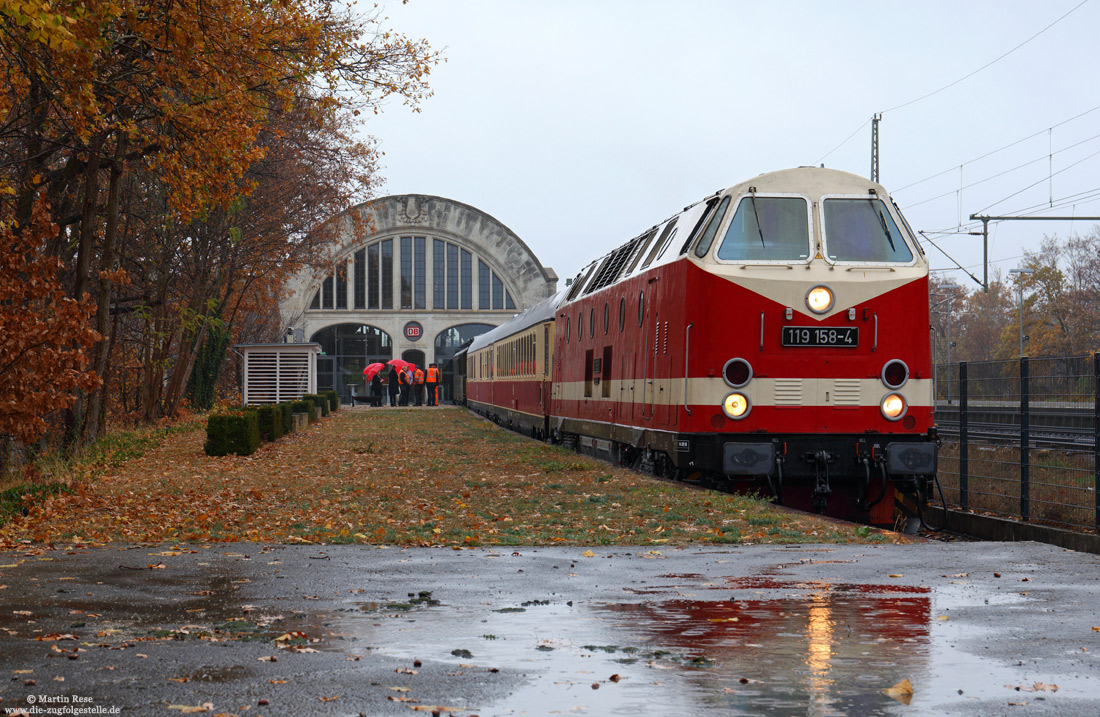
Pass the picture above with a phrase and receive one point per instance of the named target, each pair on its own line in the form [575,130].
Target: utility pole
[986,219]
[1020,287]
[874,146]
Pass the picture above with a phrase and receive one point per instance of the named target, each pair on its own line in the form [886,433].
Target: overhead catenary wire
[952,84]
[989,154]
[988,64]
[1045,157]
[1035,184]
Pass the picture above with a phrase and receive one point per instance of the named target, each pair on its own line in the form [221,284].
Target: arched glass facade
[346,349]
[413,272]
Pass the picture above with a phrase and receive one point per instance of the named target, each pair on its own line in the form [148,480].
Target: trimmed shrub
[271,422]
[232,433]
[304,406]
[319,401]
[287,409]
[333,400]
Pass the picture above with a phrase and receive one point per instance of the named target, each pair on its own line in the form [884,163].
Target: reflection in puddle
[818,649]
[826,649]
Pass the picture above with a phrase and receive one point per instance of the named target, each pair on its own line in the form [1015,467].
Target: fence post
[1096,439]
[964,457]
[1025,431]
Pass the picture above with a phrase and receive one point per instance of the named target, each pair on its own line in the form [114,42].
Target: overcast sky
[580,124]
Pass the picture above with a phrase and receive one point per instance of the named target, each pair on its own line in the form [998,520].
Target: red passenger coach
[776,332]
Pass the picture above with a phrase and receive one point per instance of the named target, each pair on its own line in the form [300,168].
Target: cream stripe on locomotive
[837,392]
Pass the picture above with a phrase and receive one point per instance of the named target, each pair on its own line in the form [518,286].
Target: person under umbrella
[394,385]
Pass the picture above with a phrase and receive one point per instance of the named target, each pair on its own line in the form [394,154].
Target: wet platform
[825,630]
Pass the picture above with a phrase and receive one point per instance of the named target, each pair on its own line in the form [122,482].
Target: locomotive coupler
[821,461]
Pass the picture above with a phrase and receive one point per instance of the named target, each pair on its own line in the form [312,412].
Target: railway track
[1067,438]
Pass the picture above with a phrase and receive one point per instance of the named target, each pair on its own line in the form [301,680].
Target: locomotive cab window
[707,239]
[861,229]
[768,229]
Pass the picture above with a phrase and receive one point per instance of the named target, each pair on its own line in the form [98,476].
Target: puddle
[749,645]
[806,647]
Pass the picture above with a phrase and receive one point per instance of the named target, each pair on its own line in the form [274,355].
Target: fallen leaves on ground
[405,477]
[902,692]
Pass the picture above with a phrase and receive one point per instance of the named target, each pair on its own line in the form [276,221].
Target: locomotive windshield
[862,230]
[768,229]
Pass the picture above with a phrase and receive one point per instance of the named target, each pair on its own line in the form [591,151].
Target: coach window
[768,229]
[862,230]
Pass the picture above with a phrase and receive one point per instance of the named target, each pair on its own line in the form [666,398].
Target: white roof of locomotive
[810,181]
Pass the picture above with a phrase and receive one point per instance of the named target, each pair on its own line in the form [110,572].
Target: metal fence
[1021,438]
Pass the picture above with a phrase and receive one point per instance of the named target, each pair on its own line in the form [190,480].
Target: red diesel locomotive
[777,331]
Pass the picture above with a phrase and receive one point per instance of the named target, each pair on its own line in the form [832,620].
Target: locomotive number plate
[840,336]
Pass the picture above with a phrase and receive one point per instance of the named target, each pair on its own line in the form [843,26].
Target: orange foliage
[43,333]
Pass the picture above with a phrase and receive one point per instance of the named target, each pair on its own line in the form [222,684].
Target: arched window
[366,278]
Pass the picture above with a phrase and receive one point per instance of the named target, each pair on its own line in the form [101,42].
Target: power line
[853,134]
[988,64]
[1002,173]
[1035,184]
[1001,149]
[961,79]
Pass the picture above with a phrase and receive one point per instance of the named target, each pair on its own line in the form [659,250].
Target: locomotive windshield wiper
[889,236]
[752,198]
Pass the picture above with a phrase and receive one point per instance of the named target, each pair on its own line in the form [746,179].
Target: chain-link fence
[1021,438]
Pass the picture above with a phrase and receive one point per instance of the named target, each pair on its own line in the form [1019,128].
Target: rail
[1022,438]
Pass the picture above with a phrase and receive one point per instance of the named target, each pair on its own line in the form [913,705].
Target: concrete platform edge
[989,527]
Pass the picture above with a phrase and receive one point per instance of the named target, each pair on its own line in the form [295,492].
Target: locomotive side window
[641,306]
[707,239]
[658,247]
[862,230]
[622,313]
[768,229]
[698,225]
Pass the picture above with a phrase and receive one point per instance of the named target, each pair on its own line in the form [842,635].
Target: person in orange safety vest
[418,386]
[433,382]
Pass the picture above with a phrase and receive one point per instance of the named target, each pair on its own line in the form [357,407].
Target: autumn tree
[43,332]
[1061,296]
[148,125]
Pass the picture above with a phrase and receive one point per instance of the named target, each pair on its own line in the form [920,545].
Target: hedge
[333,400]
[304,406]
[271,422]
[287,409]
[232,433]
[318,400]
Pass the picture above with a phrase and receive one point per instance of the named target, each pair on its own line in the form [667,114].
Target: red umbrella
[373,369]
[401,364]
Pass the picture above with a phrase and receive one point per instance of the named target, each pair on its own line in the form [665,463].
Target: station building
[414,277]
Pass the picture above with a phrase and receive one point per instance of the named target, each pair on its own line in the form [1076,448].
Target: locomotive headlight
[736,406]
[893,406]
[819,299]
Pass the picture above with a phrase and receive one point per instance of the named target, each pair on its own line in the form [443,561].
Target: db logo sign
[413,331]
